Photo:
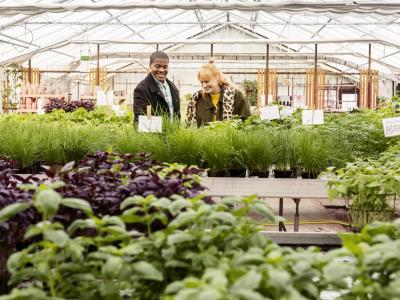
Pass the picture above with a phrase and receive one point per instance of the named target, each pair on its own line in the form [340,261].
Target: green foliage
[370,185]
[213,251]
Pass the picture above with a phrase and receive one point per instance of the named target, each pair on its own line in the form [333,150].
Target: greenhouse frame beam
[252,23]
[66,42]
[382,8]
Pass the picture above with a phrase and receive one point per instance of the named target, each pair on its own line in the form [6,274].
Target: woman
[218,100]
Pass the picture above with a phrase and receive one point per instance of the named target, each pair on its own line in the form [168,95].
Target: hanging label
[150,124]
[391,126]
[313,117]
[269,112]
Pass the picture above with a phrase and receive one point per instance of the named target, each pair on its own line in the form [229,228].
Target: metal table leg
[281,224]
[296,215]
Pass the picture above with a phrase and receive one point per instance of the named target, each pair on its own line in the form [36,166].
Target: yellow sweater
[214,99]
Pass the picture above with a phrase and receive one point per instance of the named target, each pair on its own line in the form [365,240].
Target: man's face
[159,68]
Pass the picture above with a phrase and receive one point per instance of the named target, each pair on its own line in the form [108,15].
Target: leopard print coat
[228,101]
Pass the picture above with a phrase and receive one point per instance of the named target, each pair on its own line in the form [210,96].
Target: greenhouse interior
[199,149]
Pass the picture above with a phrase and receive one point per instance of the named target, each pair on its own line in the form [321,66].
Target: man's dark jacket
[147,92]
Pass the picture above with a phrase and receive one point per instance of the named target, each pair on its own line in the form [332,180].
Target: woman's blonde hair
[211,71]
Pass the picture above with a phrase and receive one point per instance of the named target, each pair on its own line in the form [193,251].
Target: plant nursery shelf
[295,189]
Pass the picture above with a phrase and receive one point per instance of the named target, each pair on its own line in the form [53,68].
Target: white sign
[391,126]
[269,112]
[313,117]
[105,98]
[150,124]
[40,106]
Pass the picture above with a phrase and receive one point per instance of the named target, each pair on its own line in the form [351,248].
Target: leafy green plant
[313,155]
[284,145]
[370,185]
[259,151]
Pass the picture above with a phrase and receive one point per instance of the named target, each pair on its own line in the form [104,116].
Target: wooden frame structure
[98,77]
[315,89]
[266,79]
[369,84]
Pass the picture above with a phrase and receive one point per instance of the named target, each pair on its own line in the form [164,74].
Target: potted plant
[259,152]
[312,154]
[285,156]
[370,186]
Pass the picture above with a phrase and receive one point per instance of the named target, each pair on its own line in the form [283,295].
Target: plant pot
[237,172]
[309,175]
[358,218]
[260,174]
[285,173]
[219,173]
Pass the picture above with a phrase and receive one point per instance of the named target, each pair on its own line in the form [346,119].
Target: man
[156,90]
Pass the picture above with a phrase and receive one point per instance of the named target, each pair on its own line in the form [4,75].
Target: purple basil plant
[106,179]
[68,106]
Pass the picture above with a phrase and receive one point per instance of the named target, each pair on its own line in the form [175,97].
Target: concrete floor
[311,210]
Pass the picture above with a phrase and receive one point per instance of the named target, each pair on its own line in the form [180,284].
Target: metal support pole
[281,224]
[157,47]
[315,100]
[369,97]
[30,71]
[296,215]
[98,66]
[212,50]
[267,75]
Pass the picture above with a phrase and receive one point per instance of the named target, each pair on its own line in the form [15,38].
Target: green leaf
[29,293]
[77,204]
[133,249]
[223,216]
[183,219]
[112,267]
[67,167]
[162,202]
[250,281]
[264,210]
[47,202]
[135,200]
[246,294]
[335,272]
[58,237]
[250,258]
[11,210]
[56,185]
[177,205]
[147,271]
[80,224]
[179,237]
[33,231]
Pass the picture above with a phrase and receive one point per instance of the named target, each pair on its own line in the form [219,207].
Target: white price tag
[101,98]
[312,117]
[40,106]
[150,124]
[269,112]
[391,126]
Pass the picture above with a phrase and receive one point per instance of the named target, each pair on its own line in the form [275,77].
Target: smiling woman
[218,99]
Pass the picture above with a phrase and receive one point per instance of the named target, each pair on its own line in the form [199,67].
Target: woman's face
[210,84]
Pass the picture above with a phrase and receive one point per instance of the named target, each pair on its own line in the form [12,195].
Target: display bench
[32,103]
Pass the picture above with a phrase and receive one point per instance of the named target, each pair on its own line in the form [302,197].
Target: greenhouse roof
[59,33]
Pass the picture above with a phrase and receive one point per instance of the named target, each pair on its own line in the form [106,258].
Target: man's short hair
[158,54]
